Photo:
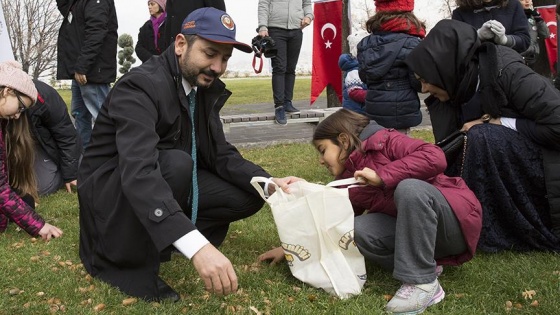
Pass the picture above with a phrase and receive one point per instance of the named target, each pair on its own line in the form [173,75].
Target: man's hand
[80,78]
[305,22]
[215,270]
[283,183]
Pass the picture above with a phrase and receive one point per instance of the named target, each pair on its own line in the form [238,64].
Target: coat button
[158,212]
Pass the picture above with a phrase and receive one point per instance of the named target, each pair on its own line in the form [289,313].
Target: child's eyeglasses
[22,108]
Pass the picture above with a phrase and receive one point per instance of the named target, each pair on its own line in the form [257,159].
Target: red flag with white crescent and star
[327,47]
[548,13]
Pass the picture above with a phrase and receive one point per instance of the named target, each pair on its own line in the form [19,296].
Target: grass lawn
[38,277]
[42,278]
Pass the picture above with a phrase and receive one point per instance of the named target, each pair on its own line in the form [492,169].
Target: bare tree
[33,27]
[447,8]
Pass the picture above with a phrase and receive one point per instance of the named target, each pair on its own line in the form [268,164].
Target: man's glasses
[22,108]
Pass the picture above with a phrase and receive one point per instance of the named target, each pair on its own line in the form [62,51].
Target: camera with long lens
[264,45]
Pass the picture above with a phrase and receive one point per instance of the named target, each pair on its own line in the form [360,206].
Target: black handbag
[453,145]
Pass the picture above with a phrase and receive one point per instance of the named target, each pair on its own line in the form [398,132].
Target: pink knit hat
[161,3]
[13,77]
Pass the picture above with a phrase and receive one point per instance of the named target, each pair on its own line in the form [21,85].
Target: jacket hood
[370,130]
[346,62]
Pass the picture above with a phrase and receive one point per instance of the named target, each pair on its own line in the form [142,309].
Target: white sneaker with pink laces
[413,299]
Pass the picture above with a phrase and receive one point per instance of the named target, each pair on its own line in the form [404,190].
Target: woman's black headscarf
[446,58]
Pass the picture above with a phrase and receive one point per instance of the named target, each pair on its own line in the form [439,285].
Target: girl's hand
[368,177]
[70,184]
[274,255]
[49,231]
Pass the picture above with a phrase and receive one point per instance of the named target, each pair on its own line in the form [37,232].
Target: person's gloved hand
[485,32]
[499,31]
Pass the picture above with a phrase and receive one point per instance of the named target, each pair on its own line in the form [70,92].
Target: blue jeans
[86,103]
[288,43]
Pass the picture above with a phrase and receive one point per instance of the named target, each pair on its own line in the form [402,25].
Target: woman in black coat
[512,116]
[150,39]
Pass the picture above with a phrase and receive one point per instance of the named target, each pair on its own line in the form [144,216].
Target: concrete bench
[305,116]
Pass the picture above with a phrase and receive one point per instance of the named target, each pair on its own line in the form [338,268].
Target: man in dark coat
[57,149]
[177,11]
[87,55]
[136,184]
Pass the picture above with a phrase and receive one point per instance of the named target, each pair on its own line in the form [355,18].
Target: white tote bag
[316,228]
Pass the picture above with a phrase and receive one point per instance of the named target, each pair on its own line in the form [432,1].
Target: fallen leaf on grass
[99,307]
[34,258]
[387,297]
[296,288]
[129,301]
[14,291]
[254,309]
[518,306]
[459,295]
[528,294]
[312,297]
[535,303]
[40,293]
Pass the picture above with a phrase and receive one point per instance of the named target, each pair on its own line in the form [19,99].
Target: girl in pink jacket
[18,189]
[411,218]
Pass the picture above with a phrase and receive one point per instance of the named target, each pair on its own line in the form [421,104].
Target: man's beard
[190,73]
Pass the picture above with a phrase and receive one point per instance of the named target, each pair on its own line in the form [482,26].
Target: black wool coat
[119,181]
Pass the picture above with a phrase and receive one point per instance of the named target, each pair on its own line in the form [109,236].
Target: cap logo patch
[190,24]
[227,22]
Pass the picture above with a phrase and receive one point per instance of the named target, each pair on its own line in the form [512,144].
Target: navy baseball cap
[213,25]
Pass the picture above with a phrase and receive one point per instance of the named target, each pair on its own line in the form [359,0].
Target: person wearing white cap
[18,189]
[159,150]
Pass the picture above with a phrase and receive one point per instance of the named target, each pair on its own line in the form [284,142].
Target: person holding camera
[283,21]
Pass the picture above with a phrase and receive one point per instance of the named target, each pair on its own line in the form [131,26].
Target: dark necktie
[192,103]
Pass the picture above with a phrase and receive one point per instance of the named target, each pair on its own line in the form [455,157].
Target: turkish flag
[327,47]
[548,14]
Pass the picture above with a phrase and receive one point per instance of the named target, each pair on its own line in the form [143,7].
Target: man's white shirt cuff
[190,243]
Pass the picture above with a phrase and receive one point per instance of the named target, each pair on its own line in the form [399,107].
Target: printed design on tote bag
[295,250]
[347,239]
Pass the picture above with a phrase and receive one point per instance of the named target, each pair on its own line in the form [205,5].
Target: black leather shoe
[166,293]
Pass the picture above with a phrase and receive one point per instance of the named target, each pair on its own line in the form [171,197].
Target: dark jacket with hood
[120,185]
[395,157]
[53,130]
[392,96]
[87,40]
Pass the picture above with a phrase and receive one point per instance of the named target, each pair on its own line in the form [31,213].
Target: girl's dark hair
[477,4]
[343,121]
[376,22]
